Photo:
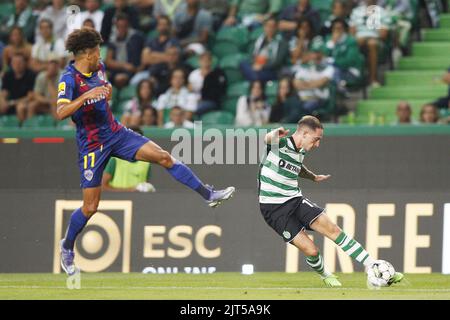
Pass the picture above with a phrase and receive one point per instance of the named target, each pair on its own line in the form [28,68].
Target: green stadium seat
[9,121]
[237,35]
[39,121]
[218,117]
[6,9]
[418,78]
[127,93]
[366,109]
[271,88]
[194,61]
[230,65]
[238,89]
[422,63]
[437,35]
[409,92]
[224,48]
[431,49]
[103,52]
[65,124]
[445,21]
[230,105]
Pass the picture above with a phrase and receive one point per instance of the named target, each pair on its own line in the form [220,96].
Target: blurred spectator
[124,176]
[444,102]
[46,46]
[291,14]
[176,95]
[218,10]
[253,110]
[43,99]
[17,45]
[22,17]
[120,6]
[401,13]
[287,107]
[133,109]
[92,11]
[88,23]
[208,84]
[149,117]
[339,10]
[370,39]
[57,13]
[312,79]
[178,119]
[252,13]
[269,52]
[17,88]
[429,114]
[193,26]
[124,52]
[347,59]
[299,45]
[168,8]
[147,20]
[404,113]
[156,56]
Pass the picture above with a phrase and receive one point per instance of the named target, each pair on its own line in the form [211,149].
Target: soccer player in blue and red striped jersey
[83,95]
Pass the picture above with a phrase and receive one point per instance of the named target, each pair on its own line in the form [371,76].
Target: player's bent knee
[165,159]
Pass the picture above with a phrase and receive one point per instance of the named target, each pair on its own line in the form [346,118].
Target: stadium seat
[9,121]
[39,121]
[423,63]
[237,35]
[238,89]
[431,49]
[127,93]
[230,105]
[409,92]
[6,9]
[271,88]
[230,65]
[218,117]
[410,78]
[194,61]
[223,48]
[445,21]
[103,52]
[437,35]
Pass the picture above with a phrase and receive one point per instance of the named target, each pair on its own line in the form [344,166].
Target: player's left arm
[305,173]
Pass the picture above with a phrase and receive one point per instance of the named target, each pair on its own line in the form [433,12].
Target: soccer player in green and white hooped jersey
[287,211]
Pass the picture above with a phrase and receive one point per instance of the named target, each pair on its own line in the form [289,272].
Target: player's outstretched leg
[350,246]
[314,259]
[78,220]
[151,152]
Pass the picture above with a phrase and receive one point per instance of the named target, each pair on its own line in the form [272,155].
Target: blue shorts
[124,145]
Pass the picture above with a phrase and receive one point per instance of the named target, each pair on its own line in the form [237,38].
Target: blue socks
[77,222]
[183,174]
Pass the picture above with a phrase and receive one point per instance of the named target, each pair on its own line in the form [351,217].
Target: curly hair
[82,39]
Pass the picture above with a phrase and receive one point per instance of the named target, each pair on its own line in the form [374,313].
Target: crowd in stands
[172,62]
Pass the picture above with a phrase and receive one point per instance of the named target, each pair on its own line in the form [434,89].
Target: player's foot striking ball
[283,205]
[83,95]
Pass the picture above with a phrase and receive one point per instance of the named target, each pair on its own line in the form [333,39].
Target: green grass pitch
[263,285]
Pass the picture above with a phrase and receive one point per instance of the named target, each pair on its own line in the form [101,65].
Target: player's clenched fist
[282,132]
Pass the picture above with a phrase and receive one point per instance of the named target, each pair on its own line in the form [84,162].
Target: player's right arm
[275,135]
[66,105]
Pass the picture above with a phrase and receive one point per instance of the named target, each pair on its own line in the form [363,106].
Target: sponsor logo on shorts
[287,234]
[88,174]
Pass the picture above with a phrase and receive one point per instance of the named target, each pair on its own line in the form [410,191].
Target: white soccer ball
[379,274]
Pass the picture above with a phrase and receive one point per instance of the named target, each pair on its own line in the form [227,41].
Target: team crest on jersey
[287,234]
[61,89]
[88,174]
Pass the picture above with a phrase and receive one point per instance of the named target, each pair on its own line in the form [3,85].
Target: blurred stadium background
[386,145]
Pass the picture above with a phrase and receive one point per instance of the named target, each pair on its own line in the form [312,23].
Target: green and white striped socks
[353,249]
[316,262]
